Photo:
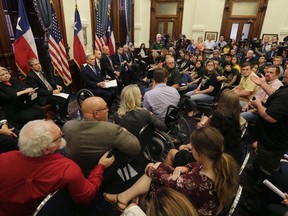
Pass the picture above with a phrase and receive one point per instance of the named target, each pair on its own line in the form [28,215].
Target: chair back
[172,116]
[146,135]
[58,203]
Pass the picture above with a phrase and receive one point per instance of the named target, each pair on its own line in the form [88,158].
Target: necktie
[120,58]
[94,70]
[44,80]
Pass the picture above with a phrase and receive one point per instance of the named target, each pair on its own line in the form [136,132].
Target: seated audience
[47,91]
[94,80]
[206,90]
[131,116]
[161,96]
[210,184]
[16,101]
[246,87]
[165,202]
[127,73]
[29,175]
[92,136]
[226,118]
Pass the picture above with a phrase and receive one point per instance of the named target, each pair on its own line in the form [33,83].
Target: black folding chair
[58,203]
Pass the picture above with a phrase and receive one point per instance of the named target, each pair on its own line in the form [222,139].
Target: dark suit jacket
[116,60]
[89,78]
[106,67]
[11,103]
[127,56]
[34,81]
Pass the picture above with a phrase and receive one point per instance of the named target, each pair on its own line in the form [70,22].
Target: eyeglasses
[105,108]
[58,138]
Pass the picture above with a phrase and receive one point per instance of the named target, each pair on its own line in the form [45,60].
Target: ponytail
[226,180]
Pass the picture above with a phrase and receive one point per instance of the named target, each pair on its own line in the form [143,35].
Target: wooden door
[166,18]
[239,29]
[243,18]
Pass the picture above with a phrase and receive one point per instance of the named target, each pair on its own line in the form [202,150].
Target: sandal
[116,204]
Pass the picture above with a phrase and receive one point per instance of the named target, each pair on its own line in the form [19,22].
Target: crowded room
[143,107]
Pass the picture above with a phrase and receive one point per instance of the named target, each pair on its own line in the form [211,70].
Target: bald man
[89,138]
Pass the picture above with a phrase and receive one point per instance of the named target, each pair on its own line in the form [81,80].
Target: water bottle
[79,115]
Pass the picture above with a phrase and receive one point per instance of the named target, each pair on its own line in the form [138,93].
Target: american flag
[57,51]
[99,34]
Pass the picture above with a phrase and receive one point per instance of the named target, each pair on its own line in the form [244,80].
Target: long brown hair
[229,103]
[209,142]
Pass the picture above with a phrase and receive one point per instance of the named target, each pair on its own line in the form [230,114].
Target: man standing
[89,138]
[246,87]
[29,175]
[271,126]
[93,79]
[161,96]
[47,91]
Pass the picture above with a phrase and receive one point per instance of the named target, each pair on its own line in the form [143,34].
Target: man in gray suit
[89,138]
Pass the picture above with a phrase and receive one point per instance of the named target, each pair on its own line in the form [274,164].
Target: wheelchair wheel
[180,132]
[82,95]
[159,148]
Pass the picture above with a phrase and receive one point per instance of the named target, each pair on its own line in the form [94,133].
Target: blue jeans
[198,98]
[249,116]
[186,78]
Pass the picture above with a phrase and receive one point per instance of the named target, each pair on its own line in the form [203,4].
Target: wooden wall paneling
[6,51]
[92,14]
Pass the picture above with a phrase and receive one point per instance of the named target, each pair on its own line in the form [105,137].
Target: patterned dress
[198,188]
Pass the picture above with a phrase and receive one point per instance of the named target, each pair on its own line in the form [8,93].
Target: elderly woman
[207,89]
[16,100]
[210,183]
[131,116]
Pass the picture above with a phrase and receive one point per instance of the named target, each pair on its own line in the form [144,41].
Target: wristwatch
[3,122]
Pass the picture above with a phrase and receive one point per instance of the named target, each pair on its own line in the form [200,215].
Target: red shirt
[26,181]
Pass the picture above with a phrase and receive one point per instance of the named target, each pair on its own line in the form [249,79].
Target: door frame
[178,18]
[256,21]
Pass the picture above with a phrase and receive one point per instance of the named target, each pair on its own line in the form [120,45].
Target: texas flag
[78,44]
[24,46]
[110,36]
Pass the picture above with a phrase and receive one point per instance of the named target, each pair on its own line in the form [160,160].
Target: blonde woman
[131,116]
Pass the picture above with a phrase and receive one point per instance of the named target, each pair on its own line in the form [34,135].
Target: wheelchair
[178,128]
[83,94]
[155,144]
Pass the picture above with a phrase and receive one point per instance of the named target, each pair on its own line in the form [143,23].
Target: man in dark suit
[108,69]
[94,79]
[47,91]
[122,65]
[129,57]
